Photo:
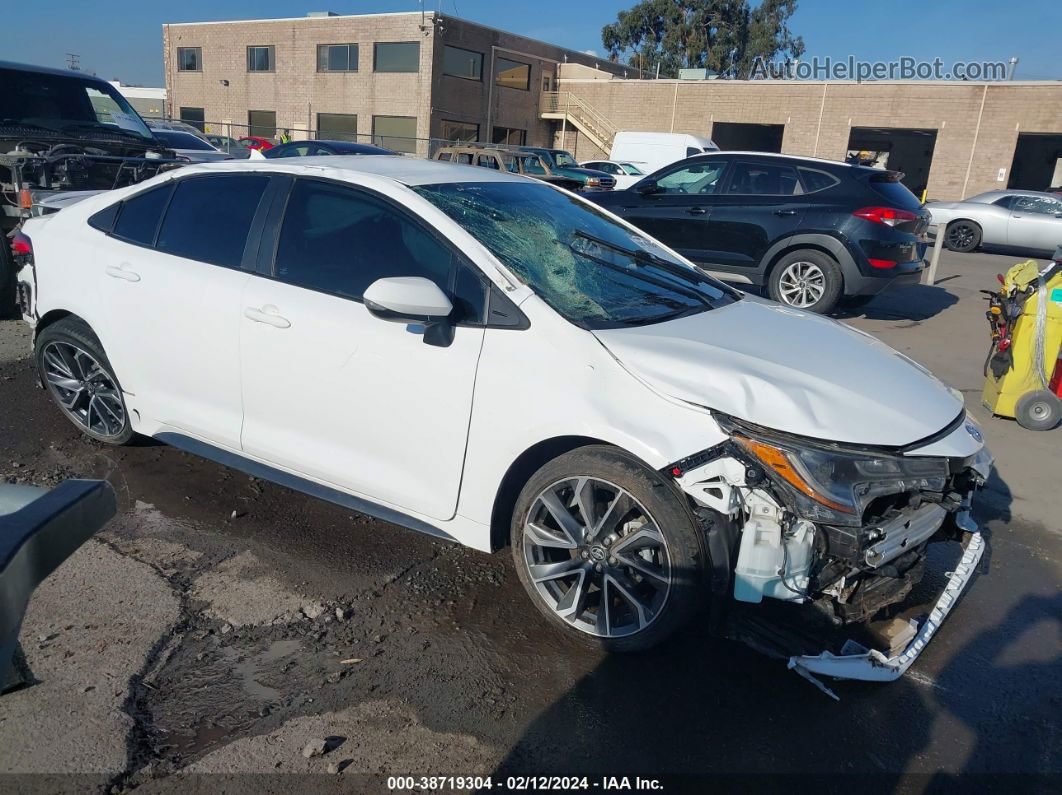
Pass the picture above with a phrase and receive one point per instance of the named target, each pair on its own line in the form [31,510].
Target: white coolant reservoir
[761,558]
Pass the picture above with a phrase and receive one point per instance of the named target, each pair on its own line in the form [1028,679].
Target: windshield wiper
[105,128]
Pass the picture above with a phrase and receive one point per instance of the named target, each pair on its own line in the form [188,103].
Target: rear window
[209,218]
[139,217]
[896,193]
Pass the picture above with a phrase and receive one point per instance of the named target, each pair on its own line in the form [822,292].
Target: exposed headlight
[836,486]
[592,182]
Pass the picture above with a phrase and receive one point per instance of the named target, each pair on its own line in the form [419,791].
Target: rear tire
[962,236]
[806,279]
[627,576]
[1038,411]
[80,380]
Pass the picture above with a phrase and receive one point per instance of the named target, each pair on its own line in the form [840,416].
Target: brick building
[952,139]
[393,78]
[402,78]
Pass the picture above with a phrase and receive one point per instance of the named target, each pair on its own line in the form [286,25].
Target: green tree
[716,34]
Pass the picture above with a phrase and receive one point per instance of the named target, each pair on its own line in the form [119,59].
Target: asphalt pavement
[222,626]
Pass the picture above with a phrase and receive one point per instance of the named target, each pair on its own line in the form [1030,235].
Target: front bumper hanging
[870,665]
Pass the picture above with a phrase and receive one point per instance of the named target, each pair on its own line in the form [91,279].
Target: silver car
[190,147]
[1014,218]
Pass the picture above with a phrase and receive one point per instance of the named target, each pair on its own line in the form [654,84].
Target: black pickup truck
[62,133]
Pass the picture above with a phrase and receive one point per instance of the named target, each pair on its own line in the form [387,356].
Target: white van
[651,150]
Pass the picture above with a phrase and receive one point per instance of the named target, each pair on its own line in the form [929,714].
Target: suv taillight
[21,246]
[889,216]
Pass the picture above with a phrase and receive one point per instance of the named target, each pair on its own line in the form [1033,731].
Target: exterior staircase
[565,106]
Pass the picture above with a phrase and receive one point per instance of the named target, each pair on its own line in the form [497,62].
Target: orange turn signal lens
[778,460]
[25,199]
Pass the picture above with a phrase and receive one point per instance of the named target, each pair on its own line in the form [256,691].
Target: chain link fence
[227,136]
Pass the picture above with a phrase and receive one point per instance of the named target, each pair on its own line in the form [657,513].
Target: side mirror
[647,187]
[412,299]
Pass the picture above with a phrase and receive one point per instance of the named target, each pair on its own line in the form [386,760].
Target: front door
[171,280]
[1035,222]
[678,211]
[332,392]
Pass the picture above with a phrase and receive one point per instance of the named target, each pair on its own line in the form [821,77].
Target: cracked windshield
[590,269]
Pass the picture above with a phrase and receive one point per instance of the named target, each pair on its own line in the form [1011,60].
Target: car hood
[789,370]
[579,171]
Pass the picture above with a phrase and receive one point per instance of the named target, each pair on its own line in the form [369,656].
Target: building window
[395,132]
[396,56]
[459,130]
[189,59]
[337,57]
[337,126]
[193,116]
[262,123]
[261,59]
[545,83]
[509,136]
[462,63]
[513,74]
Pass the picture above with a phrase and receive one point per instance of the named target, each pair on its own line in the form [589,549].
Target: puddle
[249,669]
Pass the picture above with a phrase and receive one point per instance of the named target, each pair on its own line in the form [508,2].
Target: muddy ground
[220,624]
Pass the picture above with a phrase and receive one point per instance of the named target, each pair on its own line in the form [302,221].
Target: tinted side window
[209,218]
[104,219]
[700,178]
[693,150]
[1006,201]
[138,219]
[1036,204]
[487,162]
[816,180]
[445,156]
[340,241]
[764,179]
[469,297]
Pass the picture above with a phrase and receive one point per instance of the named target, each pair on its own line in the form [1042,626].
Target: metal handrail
[572,105]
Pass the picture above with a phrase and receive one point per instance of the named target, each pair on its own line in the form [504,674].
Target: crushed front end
[815,546]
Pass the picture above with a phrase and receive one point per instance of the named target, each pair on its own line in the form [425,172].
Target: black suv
[63,131]
[814,232]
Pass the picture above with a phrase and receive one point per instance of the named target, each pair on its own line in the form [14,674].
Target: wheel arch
[824,244]
[53,316]
[520,471]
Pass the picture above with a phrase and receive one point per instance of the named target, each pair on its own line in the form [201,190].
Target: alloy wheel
[596,557]
[84,390]
[960,236]
[802,284]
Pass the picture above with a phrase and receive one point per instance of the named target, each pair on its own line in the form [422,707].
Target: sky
[122,39]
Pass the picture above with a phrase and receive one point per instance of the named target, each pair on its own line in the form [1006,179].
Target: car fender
[819,240]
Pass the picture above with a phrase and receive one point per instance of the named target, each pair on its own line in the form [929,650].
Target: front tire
[74,369]
[808,280]
[962,236]
[608,550]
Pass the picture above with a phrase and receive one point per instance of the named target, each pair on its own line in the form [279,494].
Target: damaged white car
[488,358]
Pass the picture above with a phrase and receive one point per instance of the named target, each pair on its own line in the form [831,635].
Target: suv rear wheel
[806,279]
[80,380]
[608,549]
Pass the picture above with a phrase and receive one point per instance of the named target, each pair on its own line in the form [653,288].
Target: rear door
[677,212]
[762,201]
[331,391]
[172,276]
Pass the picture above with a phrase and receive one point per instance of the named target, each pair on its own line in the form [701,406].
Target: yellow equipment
[1022,373]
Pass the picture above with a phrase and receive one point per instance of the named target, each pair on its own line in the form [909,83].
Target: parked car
[230,145]
[813,232]
[651,151]
[63,133]
[191,147]
[256,142]
[176,125]
[626,174]
[1012,218]
[318,148]
[495,361]
[559,163]
[498,159]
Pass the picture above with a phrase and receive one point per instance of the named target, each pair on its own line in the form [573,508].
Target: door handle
[268,314]
[122,272]
[696,211]
[785,212]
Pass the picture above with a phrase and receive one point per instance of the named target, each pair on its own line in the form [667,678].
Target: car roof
[47,70]
[999,194]
[820,160]
[404,170]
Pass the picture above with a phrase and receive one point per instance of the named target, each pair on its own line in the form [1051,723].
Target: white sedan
[487,358]
[626,174]
[1007,218]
